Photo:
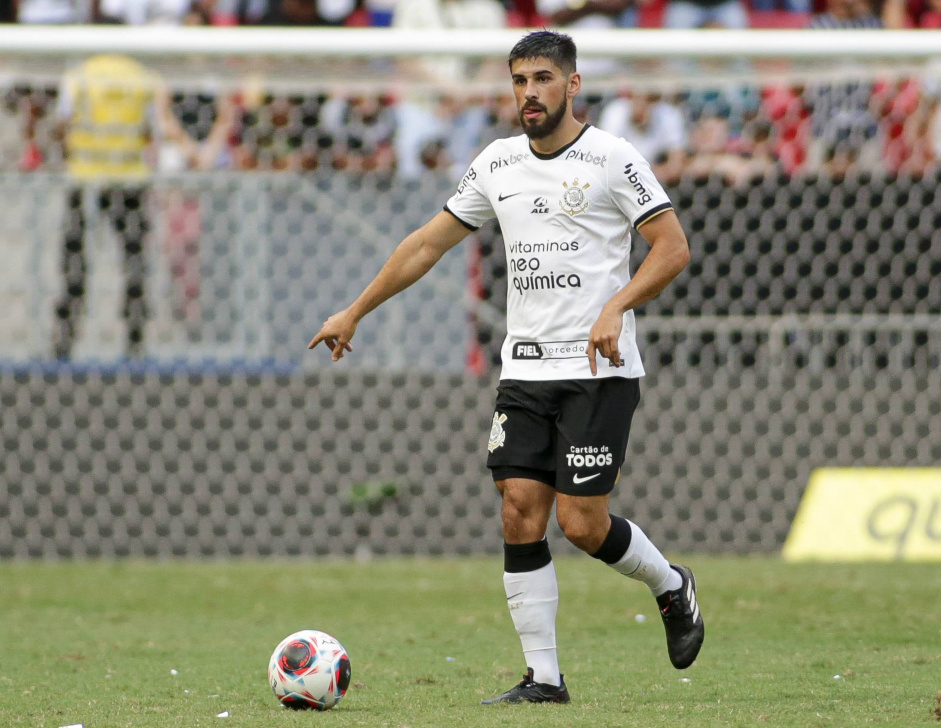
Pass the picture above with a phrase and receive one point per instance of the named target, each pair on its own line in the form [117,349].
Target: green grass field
[786,645]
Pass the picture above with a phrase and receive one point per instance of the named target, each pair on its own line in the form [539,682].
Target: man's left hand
[603,339]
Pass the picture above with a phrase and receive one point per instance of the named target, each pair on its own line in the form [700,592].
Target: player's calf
[627,550]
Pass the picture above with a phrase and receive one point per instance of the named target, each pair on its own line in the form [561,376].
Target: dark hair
[556,47]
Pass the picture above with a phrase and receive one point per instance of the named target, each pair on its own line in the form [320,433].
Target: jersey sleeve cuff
[651,213]
[464,223]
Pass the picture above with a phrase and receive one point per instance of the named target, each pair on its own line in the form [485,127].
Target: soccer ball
[309,669]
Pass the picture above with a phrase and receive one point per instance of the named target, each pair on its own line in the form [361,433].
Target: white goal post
[350,60]
[157,41]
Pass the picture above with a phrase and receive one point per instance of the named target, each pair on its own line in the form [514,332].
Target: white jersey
[566,220]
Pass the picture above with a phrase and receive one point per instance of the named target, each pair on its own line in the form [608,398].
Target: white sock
[645,563]
[533,599]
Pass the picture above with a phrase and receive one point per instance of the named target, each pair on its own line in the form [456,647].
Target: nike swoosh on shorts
[577,480]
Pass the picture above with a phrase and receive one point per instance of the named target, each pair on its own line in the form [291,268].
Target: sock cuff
[616,543]
[520,557]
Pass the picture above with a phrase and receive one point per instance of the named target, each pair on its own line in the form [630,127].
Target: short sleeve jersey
[566,220]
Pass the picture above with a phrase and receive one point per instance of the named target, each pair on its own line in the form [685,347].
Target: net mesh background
[125,463]
[805,333]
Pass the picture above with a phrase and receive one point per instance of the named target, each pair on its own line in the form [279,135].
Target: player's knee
[582,537]
[581,532]
[513,514]
[524,518]
[518,514]
[521,501]
[522,528]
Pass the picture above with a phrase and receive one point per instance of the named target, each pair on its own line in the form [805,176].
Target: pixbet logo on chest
[507,161]
[586,157]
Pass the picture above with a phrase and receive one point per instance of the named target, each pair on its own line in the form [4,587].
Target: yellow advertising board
[868,514]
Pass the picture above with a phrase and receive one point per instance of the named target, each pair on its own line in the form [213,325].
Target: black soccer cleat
[529,691]
[682,620]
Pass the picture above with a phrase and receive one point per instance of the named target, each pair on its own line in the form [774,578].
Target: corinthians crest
[497,435]
[574,201]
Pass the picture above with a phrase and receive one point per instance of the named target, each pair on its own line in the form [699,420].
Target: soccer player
[566,195]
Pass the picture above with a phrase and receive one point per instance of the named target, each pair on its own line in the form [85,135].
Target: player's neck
[567,132]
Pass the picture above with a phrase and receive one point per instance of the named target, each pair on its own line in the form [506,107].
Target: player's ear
[575,84]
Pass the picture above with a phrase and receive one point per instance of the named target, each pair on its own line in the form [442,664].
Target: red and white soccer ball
[309,670]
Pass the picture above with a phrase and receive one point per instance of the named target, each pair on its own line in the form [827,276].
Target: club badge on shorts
[497,435]
[574,201]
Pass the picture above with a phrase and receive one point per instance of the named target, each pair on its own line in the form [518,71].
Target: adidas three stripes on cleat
[682,620]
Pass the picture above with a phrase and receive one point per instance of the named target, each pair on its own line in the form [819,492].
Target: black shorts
[570,434]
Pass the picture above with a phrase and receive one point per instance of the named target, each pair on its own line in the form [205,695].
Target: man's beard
[540,130]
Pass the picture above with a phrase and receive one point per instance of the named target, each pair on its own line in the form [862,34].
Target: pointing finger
[591,358]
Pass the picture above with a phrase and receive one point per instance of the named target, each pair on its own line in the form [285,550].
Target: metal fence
[135,461]
[806,333]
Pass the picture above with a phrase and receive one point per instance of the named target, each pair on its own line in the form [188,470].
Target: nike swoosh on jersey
[577,480]
[501,198]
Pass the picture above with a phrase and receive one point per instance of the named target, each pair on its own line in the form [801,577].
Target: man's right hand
[336,333]
[410,260]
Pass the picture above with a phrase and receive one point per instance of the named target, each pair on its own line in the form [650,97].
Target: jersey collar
[557,152]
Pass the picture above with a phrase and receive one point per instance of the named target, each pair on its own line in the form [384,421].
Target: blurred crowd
[486,13]
[740,132]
